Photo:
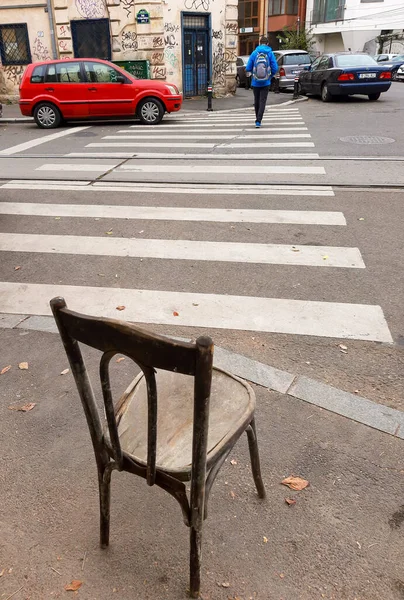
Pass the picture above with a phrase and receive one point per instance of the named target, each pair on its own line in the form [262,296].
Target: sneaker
[258,124]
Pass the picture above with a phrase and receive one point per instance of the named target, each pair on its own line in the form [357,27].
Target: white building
[357,25]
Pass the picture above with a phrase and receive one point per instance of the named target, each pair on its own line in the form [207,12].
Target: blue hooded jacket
[272,61]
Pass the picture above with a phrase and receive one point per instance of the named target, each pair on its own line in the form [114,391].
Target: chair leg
[255,459]
[104,480]
[195,562]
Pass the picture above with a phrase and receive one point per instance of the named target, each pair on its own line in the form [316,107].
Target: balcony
[326,11]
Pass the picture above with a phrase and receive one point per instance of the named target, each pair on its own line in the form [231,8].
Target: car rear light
[385,75]
[346,77]
[282,72]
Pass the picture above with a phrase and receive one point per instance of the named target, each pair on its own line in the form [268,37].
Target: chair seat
[232,406]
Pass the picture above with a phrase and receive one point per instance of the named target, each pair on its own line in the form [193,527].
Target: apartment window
[248,13]
[14,44]
[283,7]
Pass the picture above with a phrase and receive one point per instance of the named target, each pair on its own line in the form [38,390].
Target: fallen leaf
[290,501]
[5,369]
[225,584]
[265,540]
[57,218]
[2,573]
[175,313]
[356,392]
[73,586]
[17,268]
[295,249]
[121,307]
[232,494]
[325,256]
[281,575]
[295,483]
[109,232]
[23,365]
[342,347]
[65,371]
[233,462]
[120,359]
[25,408]
[361,219]
[141,231]
[195,304]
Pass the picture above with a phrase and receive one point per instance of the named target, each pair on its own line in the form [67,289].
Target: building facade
[283,14]
[186,42]
[359,25]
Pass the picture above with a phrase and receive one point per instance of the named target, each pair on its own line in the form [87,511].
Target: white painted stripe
[41,140]
[221,169]
[177,188]
[75,167]
[48,182]
[216,128]
[302,317]
[268,125]
[200,155]
[199,145]
[168,136]
[168,213]
[269,254]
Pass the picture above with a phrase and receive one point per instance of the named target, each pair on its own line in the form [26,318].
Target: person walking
[263,66]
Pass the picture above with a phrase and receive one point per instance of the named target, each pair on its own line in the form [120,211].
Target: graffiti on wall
[127,6]
[231,28]
[158,42]
[39,50]
[197,4]
[171,28]
[14,73]
[170,41]
[223,63]
[217,35]
[129,41]
[171,57]
[91,9]
[159,72]
[157,58]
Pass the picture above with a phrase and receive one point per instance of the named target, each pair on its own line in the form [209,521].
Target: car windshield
[398,58]
[354,60]
[296,59]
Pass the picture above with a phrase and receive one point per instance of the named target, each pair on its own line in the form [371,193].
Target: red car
[81,88]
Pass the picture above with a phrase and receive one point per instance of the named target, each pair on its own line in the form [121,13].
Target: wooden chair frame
[150,351]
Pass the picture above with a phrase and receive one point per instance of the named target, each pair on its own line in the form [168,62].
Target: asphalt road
[277,288]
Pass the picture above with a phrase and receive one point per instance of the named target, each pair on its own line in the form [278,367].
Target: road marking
[75,167]
[301,317]
[266,145]
[168,213]
[221,128]
[221,169]
[269,254]
[169,136]
[200,156]
[41,140]
[177,188]
[199,145]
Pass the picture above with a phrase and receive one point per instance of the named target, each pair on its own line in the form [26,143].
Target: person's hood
[263,48]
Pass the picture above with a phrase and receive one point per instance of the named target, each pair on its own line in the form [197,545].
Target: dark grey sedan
[241,77]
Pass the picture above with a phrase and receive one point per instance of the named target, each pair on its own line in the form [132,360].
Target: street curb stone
[353,407]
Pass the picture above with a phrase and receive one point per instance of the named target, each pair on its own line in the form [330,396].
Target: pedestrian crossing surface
[213,246]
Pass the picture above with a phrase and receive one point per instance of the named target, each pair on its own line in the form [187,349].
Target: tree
[299,39]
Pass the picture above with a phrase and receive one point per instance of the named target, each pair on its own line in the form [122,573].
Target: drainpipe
[49,10]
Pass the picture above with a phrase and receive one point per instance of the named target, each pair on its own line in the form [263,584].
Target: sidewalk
[242,99]
[342,540]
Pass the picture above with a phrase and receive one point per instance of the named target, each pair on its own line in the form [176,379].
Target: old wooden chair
[183,433]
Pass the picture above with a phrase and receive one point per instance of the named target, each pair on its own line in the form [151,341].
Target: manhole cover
[367,139]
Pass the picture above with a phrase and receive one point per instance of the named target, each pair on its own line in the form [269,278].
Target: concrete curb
[223,110]
[351,406]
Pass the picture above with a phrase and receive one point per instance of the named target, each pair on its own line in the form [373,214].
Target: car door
[318,74]
[64,83]
[107,96]
[307,77]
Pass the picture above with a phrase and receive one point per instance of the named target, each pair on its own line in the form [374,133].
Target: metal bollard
[296,88]
[210,93]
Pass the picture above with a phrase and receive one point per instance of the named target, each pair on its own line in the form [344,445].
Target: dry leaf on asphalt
[17,268]
[74,585]
[342,347]
[265,540]
[295,483]
[25,408]
[175,313]
[120,307]
[5,369]
[232,494]
[65,371]
[290,501]
[109,232]
[23,365]
[120,359]
[233,462]
[295,249]
[2,572]
[325,257]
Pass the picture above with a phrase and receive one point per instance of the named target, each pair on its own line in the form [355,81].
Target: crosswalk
[229,178]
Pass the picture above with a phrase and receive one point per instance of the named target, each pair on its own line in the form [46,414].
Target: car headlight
[172,89]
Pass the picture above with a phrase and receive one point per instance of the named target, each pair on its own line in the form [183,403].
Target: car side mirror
[307,68]
[120,79]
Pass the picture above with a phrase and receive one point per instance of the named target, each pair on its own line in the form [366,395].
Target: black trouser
[260,100]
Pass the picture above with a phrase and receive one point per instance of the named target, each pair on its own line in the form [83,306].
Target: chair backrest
[148,351]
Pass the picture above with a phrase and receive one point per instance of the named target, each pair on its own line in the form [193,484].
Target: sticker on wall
[143,17]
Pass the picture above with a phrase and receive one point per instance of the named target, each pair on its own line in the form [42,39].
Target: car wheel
[150,111]
[325,94]
[47,116]
[238,81]
[374,97]
[394,75]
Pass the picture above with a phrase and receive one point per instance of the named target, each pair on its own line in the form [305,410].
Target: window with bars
[14,44]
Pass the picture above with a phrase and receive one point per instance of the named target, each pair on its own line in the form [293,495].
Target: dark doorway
[196,50]
[91,38]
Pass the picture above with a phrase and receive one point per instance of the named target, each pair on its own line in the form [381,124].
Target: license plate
[296,72]
[367,75]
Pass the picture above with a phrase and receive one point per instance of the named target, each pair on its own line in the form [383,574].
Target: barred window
[14,44]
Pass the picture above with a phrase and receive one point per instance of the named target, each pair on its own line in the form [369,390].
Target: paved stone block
[8,321]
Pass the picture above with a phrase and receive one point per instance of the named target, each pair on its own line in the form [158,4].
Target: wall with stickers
[136,30]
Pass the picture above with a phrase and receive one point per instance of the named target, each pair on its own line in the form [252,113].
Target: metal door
[196,56]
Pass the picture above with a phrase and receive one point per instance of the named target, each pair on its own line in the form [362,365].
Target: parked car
[59,90]
[345,74]
[384,57]
[394,65]
[241,77]
[291,63]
